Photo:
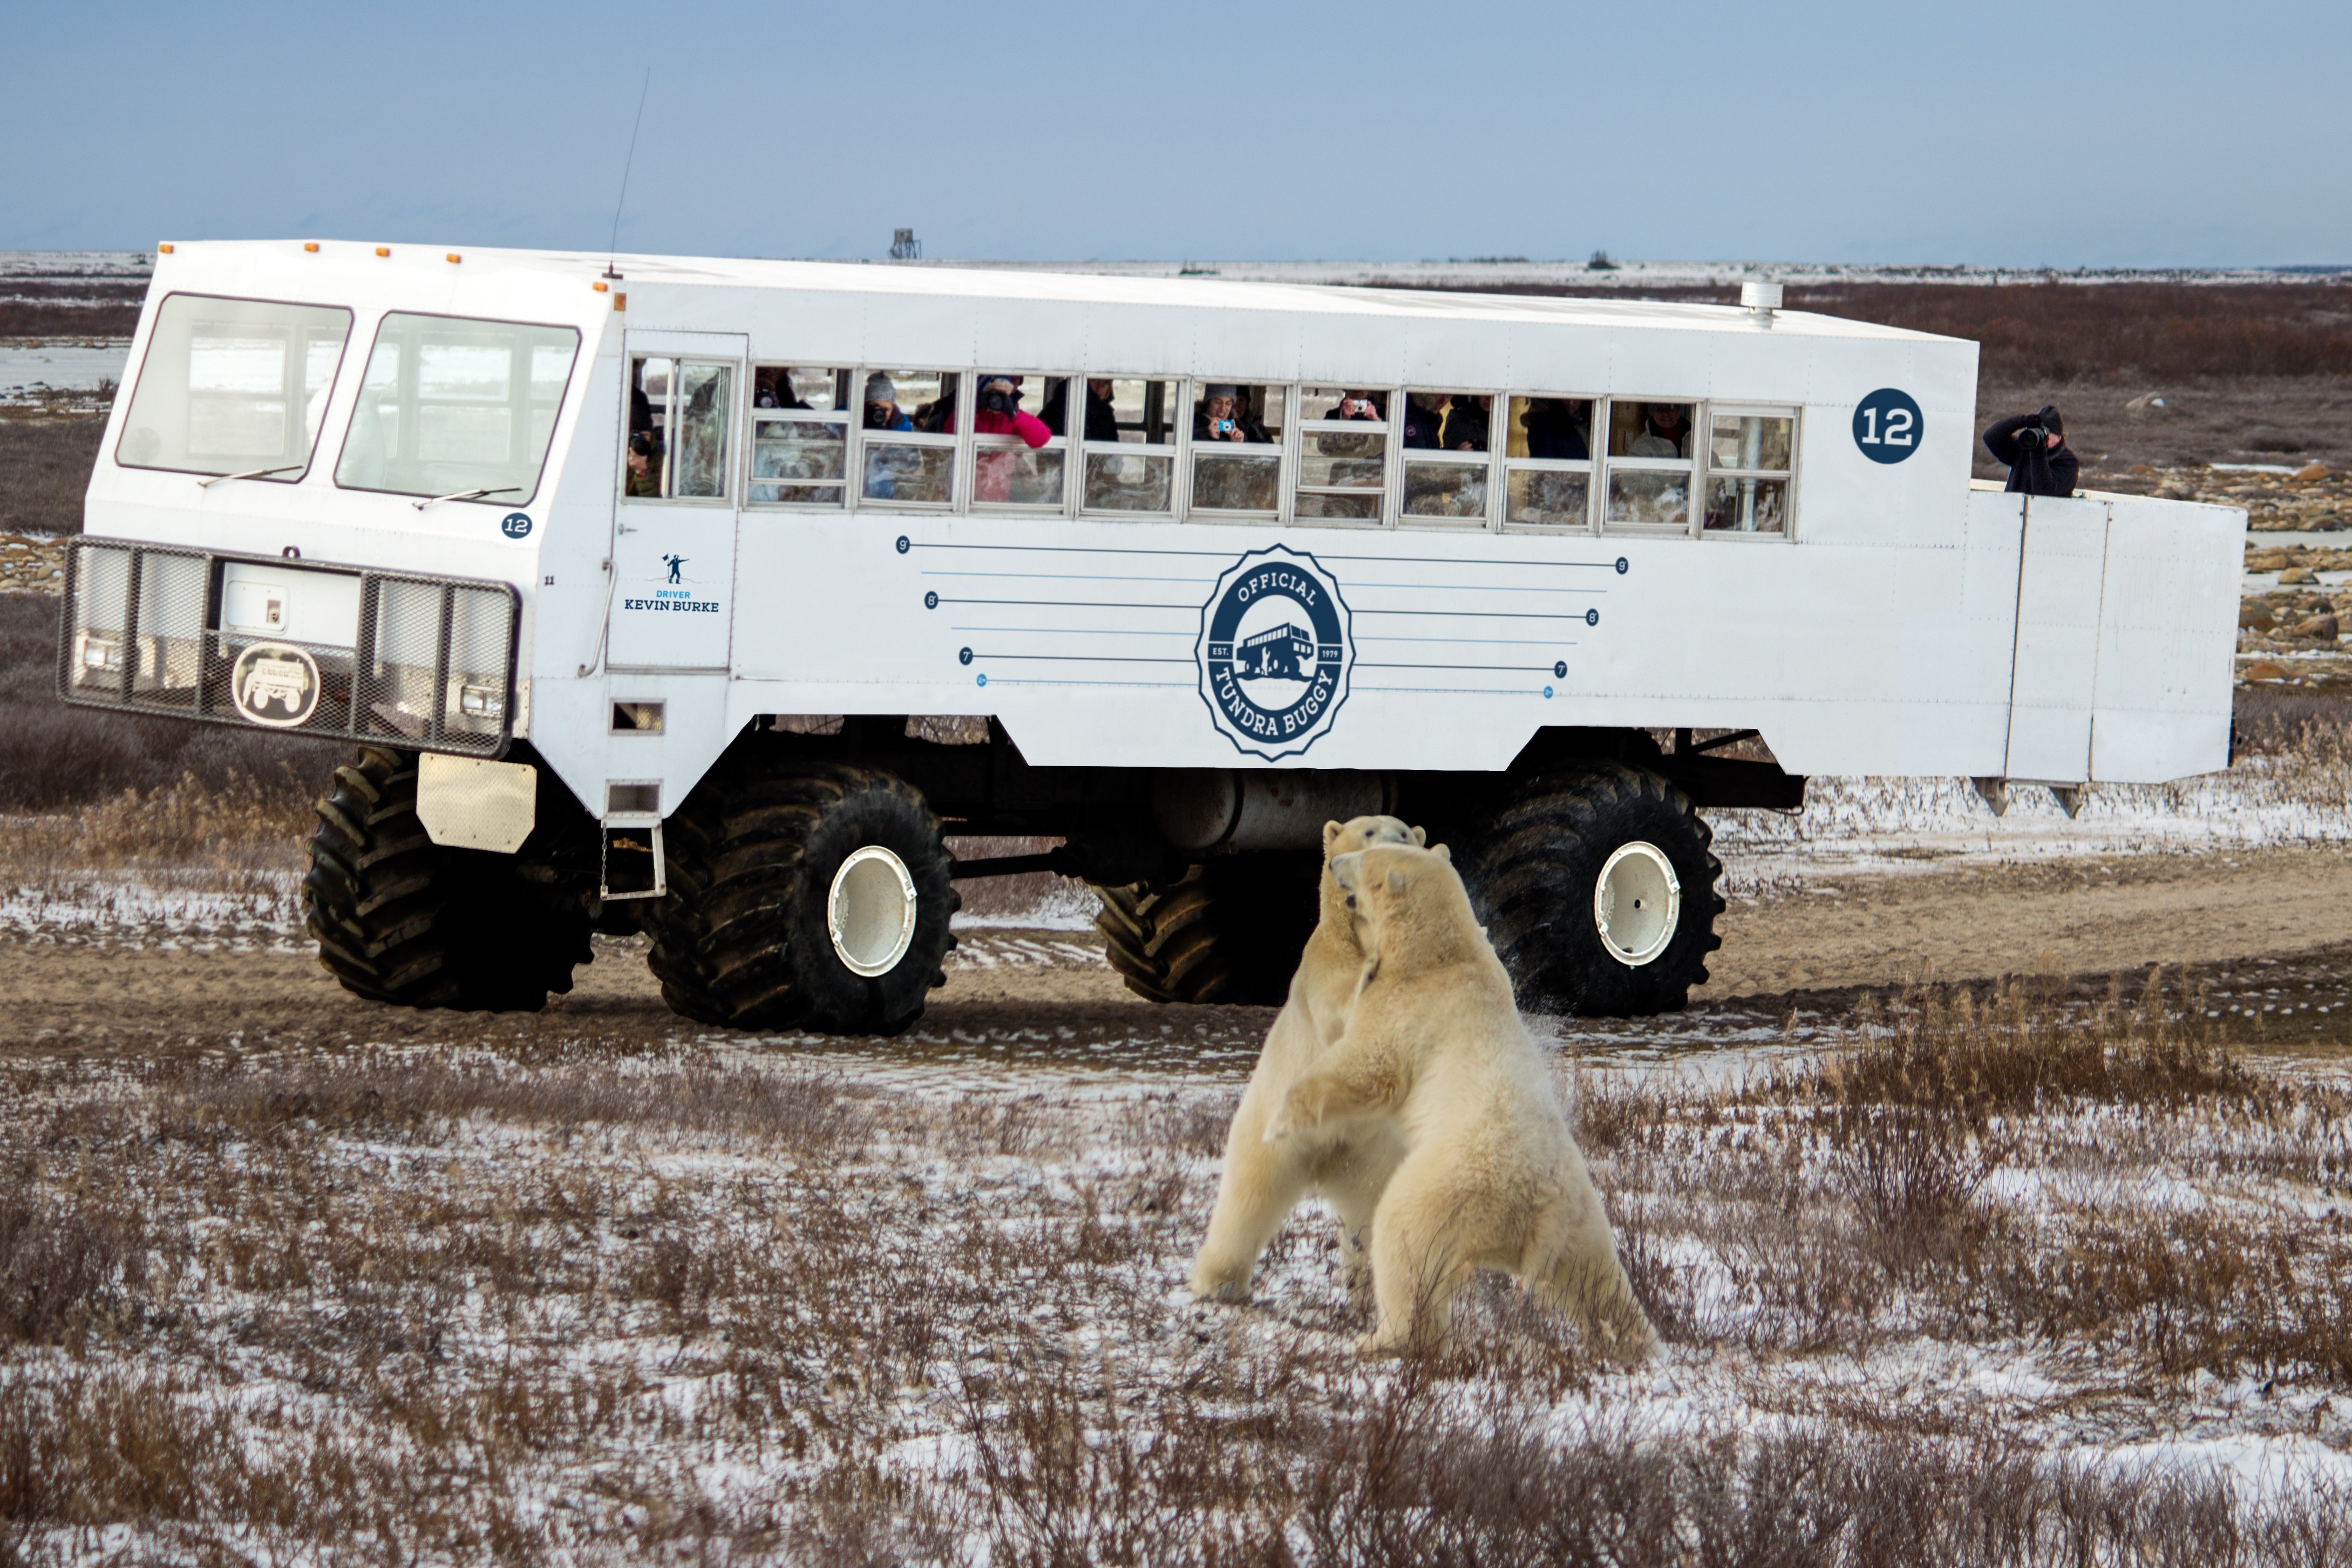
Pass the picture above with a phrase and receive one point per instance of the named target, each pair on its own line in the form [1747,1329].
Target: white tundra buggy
[705,596]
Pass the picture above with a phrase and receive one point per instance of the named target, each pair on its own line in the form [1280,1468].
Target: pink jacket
[1020,422]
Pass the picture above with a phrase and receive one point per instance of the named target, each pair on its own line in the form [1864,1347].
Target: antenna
[613,248]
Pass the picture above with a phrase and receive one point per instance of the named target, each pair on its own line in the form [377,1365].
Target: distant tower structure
[905,246]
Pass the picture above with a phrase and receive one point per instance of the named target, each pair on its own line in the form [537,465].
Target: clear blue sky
[2053,133]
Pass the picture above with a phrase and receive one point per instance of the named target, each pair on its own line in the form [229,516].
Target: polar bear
[1491,1176]
[1262,1182]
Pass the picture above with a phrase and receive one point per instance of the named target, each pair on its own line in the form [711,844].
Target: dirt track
[1016,995]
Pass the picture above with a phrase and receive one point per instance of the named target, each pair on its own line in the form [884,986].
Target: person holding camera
[1218,416]
[1001,413]
[882,410]
[2034,447]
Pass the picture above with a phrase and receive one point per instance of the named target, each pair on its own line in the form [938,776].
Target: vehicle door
[673,522]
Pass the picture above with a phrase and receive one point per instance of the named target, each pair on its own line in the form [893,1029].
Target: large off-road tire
[1229,931]
[401,919]
[1534,869]
[761,859]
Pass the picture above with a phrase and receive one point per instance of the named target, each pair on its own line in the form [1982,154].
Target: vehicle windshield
[233,386]
[451,407]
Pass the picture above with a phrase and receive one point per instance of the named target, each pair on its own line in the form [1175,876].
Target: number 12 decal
[1887,425]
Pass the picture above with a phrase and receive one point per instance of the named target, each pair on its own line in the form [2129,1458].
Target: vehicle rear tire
[1229,931]
[1536,869]
[816,897]
[403,920]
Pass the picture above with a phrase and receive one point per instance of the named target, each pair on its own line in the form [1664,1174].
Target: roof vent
[1760,299]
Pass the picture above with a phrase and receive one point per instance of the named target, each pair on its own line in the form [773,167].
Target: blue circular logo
[1593,618]
[515,525]
[930,602]
[1275,651]
[905,544]
[1887,425]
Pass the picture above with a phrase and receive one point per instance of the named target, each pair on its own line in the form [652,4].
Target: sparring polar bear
[1491,1176]
[1262,1182]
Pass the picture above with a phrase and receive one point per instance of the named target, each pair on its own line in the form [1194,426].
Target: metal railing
[430,662]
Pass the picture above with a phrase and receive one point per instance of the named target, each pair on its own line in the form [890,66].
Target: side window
[1343,453]
[679,427]
[1129,429]
[1651,465]
[1749,456]
[907,437]
[1237,447]
[799,435]
[1018,455]
[1547,462]
[1445,439]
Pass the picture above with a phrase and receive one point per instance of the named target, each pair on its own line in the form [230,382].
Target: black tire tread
[1228,931]
[736,859]
[403,921]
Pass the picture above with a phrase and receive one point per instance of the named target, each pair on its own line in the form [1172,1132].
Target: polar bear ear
[1396,881]
[1418,835]
[1441,853]
[1345,868]
[1330,833]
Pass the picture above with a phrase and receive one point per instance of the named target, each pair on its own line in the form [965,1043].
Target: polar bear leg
[1416,1264]
[1585,1279]
[1261,1184]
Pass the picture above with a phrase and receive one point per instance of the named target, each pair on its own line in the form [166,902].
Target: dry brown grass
[560,1300]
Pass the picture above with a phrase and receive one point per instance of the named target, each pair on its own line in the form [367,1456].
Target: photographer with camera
[1219,416]
[882,410]
[2034,447]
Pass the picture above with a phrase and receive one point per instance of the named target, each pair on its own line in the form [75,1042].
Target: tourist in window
[882,410]
[1554,431]
[1465,424]
[1424,412]
[1665,433]
[1220,416]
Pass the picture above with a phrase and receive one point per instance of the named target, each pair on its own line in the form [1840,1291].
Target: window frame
[335,386]
[734,466]
[1694,466]
[554,425]
[1180,427]
[1795,415]
[1488,521]
[848,416]
[1285,461]
[958,443]
[972,442]
[1590,466]
[1300,429]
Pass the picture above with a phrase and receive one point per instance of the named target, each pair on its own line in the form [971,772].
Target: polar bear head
[1414,910]
[1346,838]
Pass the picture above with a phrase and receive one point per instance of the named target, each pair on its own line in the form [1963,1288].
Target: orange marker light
[599,287]
[453,255]
[384,250]
[620,301]
[312,246]
[165,247]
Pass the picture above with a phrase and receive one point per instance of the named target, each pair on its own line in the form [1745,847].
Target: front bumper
[429,662]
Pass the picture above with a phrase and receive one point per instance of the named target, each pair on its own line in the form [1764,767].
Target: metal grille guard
[432,663]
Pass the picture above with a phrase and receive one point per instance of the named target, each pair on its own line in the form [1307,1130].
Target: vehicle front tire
[1628,948]
[816,897]
[403,920]
[1229,931]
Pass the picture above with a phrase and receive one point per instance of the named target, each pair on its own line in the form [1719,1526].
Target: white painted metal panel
[2167,633]
[2060,574]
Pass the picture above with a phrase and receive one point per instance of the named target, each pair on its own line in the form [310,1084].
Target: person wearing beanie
[882,410]
[2034,447]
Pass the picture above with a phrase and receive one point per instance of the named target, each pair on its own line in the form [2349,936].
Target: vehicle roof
[939,280]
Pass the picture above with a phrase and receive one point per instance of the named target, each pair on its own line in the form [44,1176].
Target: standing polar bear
[1263,1181]
[1491,1176]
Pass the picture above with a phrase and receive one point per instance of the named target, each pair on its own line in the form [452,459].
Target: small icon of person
[2034,447]
[673,562]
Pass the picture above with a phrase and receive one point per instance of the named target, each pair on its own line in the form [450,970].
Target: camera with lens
[878,415]
[2029,436]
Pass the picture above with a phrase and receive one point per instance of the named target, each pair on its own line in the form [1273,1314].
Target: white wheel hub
[871,911]
[1637,903]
